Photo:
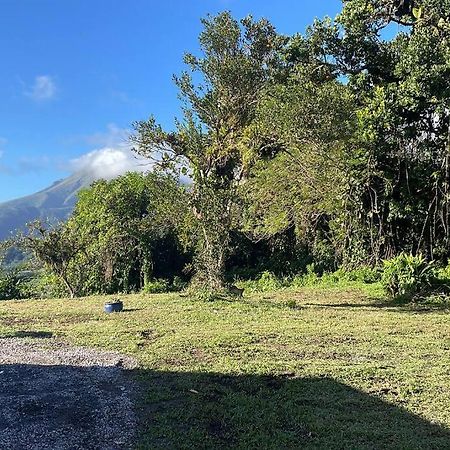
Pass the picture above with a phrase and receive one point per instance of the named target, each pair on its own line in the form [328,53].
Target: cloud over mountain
[109,162]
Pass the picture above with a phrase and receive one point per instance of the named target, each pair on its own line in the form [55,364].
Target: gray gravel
[54,396]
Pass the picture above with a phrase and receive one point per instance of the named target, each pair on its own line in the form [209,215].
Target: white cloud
[112,157]
[43,88]
[110,162]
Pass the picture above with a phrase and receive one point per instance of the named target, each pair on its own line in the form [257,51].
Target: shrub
[205,294]
[157,286]
[443,274]
[10,285]
[45,285]
[266,282]
[407,275]
[29,284]
[310,278]
[178,284]
[364,274]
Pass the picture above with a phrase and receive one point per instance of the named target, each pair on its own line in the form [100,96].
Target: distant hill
[52,204]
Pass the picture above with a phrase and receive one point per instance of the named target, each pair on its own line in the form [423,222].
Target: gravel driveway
[54,396]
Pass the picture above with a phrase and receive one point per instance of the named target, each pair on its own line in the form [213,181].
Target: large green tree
[359,130]
[122,233]
[129,225]
[307,123]
[213,140]
[394,57]
[403,85]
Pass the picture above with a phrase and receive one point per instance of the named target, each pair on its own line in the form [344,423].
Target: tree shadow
[207,410]
[31,334]
[88,407]
[395,305]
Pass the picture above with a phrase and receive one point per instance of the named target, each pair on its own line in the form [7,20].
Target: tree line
[330,146]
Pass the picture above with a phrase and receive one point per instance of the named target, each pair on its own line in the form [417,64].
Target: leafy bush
[443,274]
[158,286]
[10,285]
[204,294]
[266,282]
[30,284]
[269,282]
[45,285]
[310,278]
[363,274]
[407,275]
[178,284]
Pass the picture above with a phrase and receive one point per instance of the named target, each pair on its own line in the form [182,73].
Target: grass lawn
[319,368]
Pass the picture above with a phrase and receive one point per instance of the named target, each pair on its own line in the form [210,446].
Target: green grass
[330,368]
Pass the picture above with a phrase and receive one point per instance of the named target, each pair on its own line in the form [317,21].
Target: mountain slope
[52,204]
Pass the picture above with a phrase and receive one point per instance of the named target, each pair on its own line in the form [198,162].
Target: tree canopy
[336,141]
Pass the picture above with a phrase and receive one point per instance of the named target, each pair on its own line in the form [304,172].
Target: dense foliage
[122,234]
[407,275]
[364,122]
[330,148]
[213,140]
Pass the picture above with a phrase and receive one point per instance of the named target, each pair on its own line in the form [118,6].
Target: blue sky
[77,73]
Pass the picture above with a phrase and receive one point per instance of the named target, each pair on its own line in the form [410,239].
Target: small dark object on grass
[115,306]
[234,290]
[33,334]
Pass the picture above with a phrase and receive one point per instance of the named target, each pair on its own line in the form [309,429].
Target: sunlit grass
[209,367]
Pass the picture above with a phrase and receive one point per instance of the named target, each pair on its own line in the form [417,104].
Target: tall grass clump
[266,282]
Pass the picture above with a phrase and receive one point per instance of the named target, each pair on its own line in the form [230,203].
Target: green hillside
[52,204]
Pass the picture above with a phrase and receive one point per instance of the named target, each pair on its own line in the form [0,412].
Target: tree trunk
[68,286]
[211,258]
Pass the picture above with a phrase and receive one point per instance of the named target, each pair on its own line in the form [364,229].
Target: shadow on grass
[200,410]
[31,334]
[400,305]
[48,406]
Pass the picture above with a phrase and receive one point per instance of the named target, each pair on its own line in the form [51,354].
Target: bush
[45,285]
[364,274]
[29,284]
[266,282]
[10,285]
[178,284]
[407,275]
[158,286]
[443,274]
[310,278]
[204,294]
